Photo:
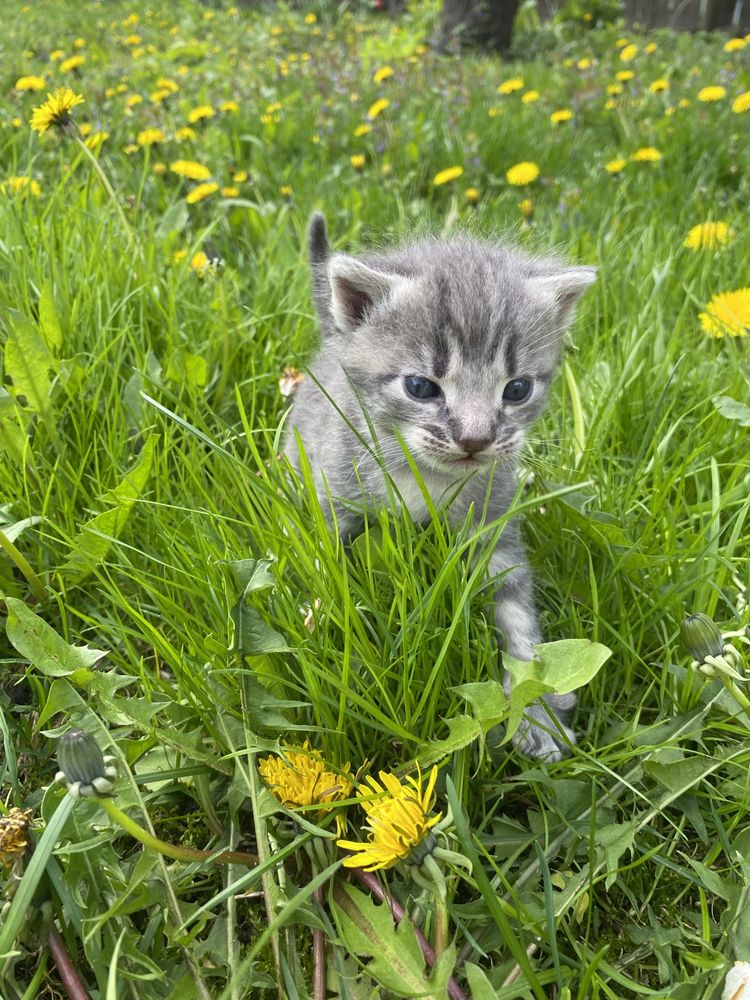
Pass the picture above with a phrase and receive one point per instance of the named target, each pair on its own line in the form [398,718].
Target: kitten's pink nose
[472,445]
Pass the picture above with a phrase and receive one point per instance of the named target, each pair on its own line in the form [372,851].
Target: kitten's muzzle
[473,445]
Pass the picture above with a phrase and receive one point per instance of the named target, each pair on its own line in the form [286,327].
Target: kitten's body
[465,322]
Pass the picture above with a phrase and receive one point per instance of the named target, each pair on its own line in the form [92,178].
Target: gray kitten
[450,345]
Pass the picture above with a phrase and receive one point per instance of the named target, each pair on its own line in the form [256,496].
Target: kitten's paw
[538,735]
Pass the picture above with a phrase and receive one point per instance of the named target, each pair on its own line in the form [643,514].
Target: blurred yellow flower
[357,161]
[621,43]
[159,168]
[684,102]
[30,83]
[361,130]
[201,112]
[382,74]
[651,48]
[397,820]
[286,191]
[530,96]
[239,176]
[229,106]
[727,314]
[511,86]
[472,195]
[55,110]
[522,173]
[561,116]
[201,192]
[526,207]
[303,778]
[741,103]
[132,100]
[624,75]
[657,86]
[230,192]
[710,94]
[164,83]
[646,154]
[73,63]
[377,107]
[708,236]
[95,140]
[584,63]
[190,169]
[159,95]
[735,45]
[310,18]
[449,174]
[610,105]
[132,40]
[628,53]
[185,133]
[614,89]
[20,186]
[149,136]
[615,166]
[56,55]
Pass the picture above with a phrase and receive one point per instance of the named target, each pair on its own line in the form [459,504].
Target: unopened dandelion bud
[701,637]
[83,766]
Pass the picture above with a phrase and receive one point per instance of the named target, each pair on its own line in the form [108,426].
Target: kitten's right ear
[356,289]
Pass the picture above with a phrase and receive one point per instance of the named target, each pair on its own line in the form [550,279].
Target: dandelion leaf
[462,730]
[479,985]
[47,651]
[48,318]
[367,929]
[13,436]
[562,666]
[615,839]
[28,362]
[93,541]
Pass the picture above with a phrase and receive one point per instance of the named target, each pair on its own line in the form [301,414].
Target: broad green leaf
[28,361]
[252,635]
[62,697]
[563,666]
[93,541]
[615,839]
[677,775]
[48,318]
[367,929]
[38,642]
[189,369]
[732,410]
[12,531]
[487,700]
[253,574]
[462,729]
[521,695]
[14,439]
[173,220]
[479,985]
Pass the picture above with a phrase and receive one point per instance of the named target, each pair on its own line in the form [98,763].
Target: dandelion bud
[701,637]
[84,768]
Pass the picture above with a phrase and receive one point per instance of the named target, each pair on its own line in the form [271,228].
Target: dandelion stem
[65,968]
[171,850]
[107,186]
[319,955]
[579,421]
[735,692]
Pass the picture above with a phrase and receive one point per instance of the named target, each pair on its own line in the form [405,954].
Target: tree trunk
[488,23]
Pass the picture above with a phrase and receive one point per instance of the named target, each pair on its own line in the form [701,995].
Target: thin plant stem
[65,968]
[107,187]
[319,955]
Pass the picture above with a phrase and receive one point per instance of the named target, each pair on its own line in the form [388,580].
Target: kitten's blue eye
[517,390]
[420,387]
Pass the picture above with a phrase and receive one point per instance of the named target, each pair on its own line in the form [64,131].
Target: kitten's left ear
[558,293]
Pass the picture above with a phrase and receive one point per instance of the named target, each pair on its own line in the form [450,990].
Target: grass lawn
[170,589]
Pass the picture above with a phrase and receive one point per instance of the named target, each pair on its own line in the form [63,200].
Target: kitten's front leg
[515,617]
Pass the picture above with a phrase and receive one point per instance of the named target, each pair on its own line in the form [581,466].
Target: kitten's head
[453,344]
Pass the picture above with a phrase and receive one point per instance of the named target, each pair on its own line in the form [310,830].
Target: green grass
[140,426]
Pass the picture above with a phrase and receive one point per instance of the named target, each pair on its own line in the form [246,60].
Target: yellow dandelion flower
[30,83]
[511,86]
[286,191]
[727,314]
[522,173]
[311,19]
[629,53]
[741,103]
[190,169]
[95,140]
[647,154]
[624,75]
[382,74]
[610,105]
[230,192]
[561,116]
[164,83]
[21,186]
[684,103]
[357,161]
[132,100]
[201,112]
[199,262]
[14,836]
[159,95]
[79,43]
[397,820]
[584,63]
[149,136]
[708,236]
[614,89]
[710,94]
[377,107]
[303,778]
[201,191]
[240,176]
[56,55]
[449,174]
[72,63]
[530,96]
[735,45]
[230,106]
[132,40]
[615,166]
[472,195]
[621,43]
[657,86]
[185,133]
[130,149]
[158,168]
[361,130]
[55,110]
[651,48]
